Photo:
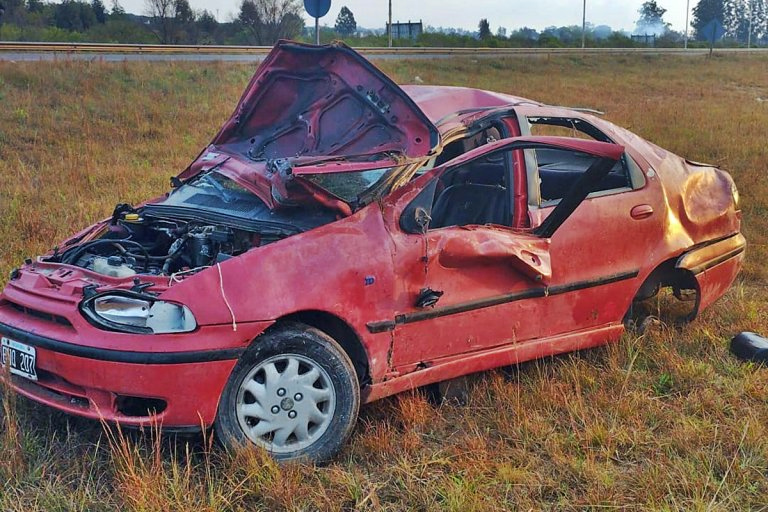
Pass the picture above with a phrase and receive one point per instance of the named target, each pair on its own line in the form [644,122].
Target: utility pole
[584,25]
[389,26]
[687,13]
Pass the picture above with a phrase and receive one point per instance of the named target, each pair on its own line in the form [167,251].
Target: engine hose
[125,252]
[170,259]
[72,259]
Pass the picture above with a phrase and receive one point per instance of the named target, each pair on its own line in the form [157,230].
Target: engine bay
[135,243]
[201,222]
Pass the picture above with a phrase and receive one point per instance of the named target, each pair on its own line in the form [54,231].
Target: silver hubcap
[285,403]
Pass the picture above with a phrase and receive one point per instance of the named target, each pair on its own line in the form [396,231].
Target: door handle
[641,211]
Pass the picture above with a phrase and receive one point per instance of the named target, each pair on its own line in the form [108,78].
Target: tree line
[262,22]
[743,20]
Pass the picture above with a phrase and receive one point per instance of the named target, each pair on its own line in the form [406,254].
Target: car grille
[48,317]
[54,388]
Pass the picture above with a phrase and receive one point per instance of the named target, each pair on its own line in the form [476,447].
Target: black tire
[308,347]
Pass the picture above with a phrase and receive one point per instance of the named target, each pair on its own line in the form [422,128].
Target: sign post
[713,31]
[317,9]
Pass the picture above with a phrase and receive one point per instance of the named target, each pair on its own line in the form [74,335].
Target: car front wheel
[294,392]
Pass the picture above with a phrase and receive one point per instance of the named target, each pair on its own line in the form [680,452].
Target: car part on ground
[750,346]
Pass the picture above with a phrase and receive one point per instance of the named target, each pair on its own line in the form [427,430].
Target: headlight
[137,313]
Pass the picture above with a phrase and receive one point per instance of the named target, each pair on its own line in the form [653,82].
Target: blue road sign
[713,31]
[317,8]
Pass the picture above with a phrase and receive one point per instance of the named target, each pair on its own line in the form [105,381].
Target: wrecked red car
[343,239]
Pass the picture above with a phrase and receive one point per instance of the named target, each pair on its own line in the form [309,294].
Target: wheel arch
[337,329]
[668,274]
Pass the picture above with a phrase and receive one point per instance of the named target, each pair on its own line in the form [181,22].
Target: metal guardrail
[128,48]
[263,50]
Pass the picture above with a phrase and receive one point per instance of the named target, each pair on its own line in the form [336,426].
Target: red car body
[412,295]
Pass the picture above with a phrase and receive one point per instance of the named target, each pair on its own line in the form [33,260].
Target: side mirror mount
[422,218]
[416,216]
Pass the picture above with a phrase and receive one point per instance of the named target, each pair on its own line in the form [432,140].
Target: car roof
[439,101]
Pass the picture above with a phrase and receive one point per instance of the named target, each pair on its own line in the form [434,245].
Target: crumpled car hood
[324,101]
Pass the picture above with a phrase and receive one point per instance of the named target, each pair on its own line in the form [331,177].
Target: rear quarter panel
[699,198]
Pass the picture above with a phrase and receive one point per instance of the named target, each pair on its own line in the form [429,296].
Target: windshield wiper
[207,179]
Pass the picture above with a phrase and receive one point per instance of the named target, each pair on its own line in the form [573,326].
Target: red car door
[605,249]
[468,280]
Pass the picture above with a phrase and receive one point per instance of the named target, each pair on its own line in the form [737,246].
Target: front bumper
[177,389]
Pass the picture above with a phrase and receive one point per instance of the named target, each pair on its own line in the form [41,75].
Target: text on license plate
[18,358]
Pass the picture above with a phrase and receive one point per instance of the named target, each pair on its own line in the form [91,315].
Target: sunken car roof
[438,101]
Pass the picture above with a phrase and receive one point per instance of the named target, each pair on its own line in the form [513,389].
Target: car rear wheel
[294,392]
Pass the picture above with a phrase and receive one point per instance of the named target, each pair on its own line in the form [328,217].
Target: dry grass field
[666,421]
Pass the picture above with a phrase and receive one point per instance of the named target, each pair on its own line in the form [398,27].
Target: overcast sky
[512,14]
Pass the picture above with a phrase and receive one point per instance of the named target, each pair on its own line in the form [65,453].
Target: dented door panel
[490,291]
[490,285]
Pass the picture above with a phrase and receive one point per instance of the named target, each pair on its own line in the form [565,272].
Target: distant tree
[185,28]
[208,25]
[566,36]
[293,25]
[618,40]
[525,33]
[73,15]
[162,23]
[651,19]
[13,11]
[602,31]
[99,11]
[484,29]
[184,12]
[266,21]
[117,11]
[739,15]
[735,19]
[122,30]
[345,22]
[651,12]
[251,18]
[548,39]
[759,10]
[501,33]
[670,39]
[704,12]
[35,5]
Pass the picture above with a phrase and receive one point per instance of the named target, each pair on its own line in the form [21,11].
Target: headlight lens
[138,314]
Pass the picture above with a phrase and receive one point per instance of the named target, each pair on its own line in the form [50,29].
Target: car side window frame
[425,200]
[632,170]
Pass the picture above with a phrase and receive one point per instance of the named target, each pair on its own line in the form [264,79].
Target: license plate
[18,358]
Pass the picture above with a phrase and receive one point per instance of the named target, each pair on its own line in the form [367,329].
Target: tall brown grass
[668,420]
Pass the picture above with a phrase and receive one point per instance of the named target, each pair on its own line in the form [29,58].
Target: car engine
[137,244]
